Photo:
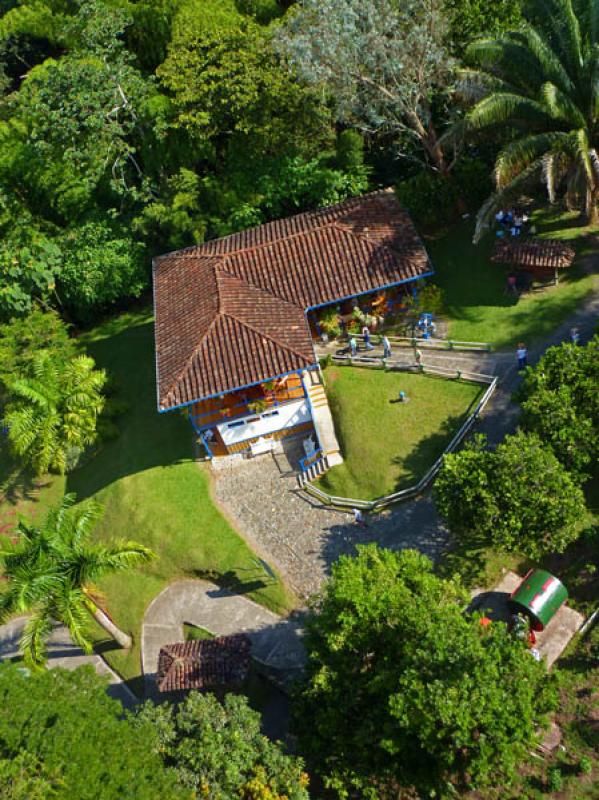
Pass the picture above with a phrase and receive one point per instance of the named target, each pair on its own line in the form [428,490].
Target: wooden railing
[413,491]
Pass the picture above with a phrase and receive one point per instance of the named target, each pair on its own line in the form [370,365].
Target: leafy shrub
[433,199]
[560,403]
[330,323]
[518,498]
[585,765]
[555,779]
[430,299]
[218,750]
[101,265]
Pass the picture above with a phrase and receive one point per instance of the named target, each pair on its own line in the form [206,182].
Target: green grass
[389,445]
[476,302]
[154,493]
[193,633]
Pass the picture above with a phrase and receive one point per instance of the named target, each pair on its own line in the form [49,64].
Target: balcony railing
[271,400]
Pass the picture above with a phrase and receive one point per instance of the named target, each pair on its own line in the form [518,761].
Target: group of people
[353,344]
[511,221]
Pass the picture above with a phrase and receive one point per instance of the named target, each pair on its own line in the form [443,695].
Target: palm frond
[33,641]
[582,150]
[71,610]
[504,108]
[561,106]
[518,155]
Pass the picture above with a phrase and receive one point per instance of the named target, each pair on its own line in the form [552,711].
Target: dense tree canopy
[218,750]
[405,690]
[517,497]
[64,738]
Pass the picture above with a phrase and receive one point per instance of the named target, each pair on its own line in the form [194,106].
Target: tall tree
[540,82]
[383,63]
[52,414]
[51,573]
[406,695]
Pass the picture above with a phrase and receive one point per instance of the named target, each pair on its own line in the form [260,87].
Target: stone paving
[64,654]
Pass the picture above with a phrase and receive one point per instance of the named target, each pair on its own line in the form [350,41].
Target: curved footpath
[276,641]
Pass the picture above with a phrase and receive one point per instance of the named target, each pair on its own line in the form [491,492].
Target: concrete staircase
[314,471]
[323,423]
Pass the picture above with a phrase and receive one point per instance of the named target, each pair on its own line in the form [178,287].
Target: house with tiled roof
[236,317]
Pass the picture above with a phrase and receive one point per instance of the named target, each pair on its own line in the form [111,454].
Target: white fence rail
[429,344]
[413,491]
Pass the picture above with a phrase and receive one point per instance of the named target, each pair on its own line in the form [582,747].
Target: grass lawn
[153,492]
[476,302]
[389,445]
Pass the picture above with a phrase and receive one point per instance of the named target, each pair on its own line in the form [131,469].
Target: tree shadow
[146,438]
[230,582]
[422,457]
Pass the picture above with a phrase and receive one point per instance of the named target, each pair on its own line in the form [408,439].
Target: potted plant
[330,323]
[258,406]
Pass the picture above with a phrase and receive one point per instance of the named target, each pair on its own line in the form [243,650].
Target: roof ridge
[264,335]
[184,368]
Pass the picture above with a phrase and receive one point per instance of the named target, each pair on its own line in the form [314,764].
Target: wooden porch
[255,399]
[219,448]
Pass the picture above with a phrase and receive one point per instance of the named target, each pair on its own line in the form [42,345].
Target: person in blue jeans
[353,346]
[522,355]
[366,334]
[386,348]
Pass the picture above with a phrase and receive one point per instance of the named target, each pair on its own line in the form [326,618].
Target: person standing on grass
[418,357]
[522,355]
[386,348]
[359,518]
[353,346]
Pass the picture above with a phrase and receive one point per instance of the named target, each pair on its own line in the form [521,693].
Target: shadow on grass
[16,484]
[146,438]
[230,581]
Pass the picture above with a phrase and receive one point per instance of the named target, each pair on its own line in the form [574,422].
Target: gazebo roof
[204,663]
[534,253]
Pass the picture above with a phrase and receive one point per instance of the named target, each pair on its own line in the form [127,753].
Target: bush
[585,765]
[430,299]
[405,691]
[560,403]
[67,732]
[218,750]
[101,265]
[435,200]
[518,498]
[555,779]
[329,322]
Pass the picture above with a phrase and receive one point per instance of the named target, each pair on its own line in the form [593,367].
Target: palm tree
[51,572]
[54,412]
[542,82]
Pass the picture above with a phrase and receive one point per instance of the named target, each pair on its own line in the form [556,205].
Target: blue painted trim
[371,291]
[238,388]
[202,427]
[302,461]
[207,446]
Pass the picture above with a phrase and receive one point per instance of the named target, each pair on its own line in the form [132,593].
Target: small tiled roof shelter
[231,314]
[204,664]
[539,256]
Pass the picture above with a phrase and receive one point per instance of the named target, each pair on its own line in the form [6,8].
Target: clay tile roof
[539,253]
[231,312]
[204,664]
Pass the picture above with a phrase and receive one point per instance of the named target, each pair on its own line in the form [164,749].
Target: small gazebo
[205,664]
[542,257]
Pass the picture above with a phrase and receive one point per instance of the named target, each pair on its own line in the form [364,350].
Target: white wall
[286,416]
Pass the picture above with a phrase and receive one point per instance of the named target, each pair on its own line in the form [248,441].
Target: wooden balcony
[238,404]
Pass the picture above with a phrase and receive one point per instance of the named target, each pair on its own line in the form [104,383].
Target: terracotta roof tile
[204,663]
[230,312]
[539,253]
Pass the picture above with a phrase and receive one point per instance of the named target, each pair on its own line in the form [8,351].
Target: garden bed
[388,445]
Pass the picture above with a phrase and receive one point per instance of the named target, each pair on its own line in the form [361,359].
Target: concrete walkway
[276,641]
[64,654]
